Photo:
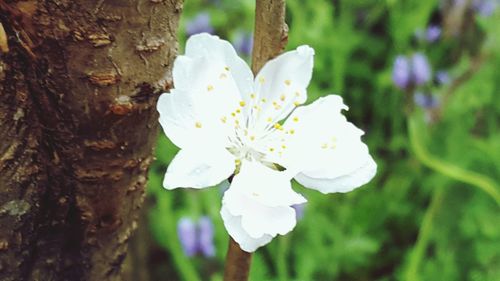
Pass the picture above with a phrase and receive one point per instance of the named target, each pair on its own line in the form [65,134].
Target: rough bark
[79,81]
[270,39]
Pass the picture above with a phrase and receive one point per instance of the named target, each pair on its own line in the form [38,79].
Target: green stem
[418,252]
[182,263]
[477,180]
[281,264]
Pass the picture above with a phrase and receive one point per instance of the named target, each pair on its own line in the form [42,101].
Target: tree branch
[271,32]
[270,38]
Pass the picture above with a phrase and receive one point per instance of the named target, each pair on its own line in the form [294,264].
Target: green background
[431,212]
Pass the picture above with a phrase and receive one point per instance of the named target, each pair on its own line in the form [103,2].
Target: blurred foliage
[428,214]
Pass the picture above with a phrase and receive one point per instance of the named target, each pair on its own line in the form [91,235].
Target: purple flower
[427,101]
[484,7]
[299,210]
[200,24]
[420,69]
[433,33]
[243,43]
[401,72]
[196,238]
[206,237]
[186,230]
[442,77]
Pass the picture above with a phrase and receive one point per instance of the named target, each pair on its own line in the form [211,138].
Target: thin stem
[281,262]
[424,235]
[477,180]
[270,38]
[237,263]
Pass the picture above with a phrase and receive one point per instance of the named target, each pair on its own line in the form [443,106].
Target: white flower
[226,122]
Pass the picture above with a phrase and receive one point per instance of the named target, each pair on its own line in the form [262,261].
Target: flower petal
[199,168]
[215,49]
[281,84]
[345,183]
[234,228]
[211,85]
[261,199]
[185,123]
[265,186]
[258,219]
[325,149]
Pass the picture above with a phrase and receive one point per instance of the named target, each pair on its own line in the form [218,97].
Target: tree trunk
[79,81]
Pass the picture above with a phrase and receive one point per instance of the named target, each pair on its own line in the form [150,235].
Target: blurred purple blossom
[243,43]
[401,72]
[442,77]
[299,210]
[199,24]
[206,237]
[427,101]
[485,7]
[411,71]
[186,230]
[420,69]
[196,238]
[433,33]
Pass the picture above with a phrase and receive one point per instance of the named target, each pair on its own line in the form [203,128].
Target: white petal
[282,83]
[188,124]
[211,86]
[177,117]
[235,230]
[199,168]
[258,219]
[215,49]
[345,183]
[262,198]
[325,149]
[265,186]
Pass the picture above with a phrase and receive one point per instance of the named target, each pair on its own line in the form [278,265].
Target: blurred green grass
[413,221]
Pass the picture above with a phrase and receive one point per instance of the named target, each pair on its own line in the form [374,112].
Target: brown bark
[270,39]
[79,81]
[271,32]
